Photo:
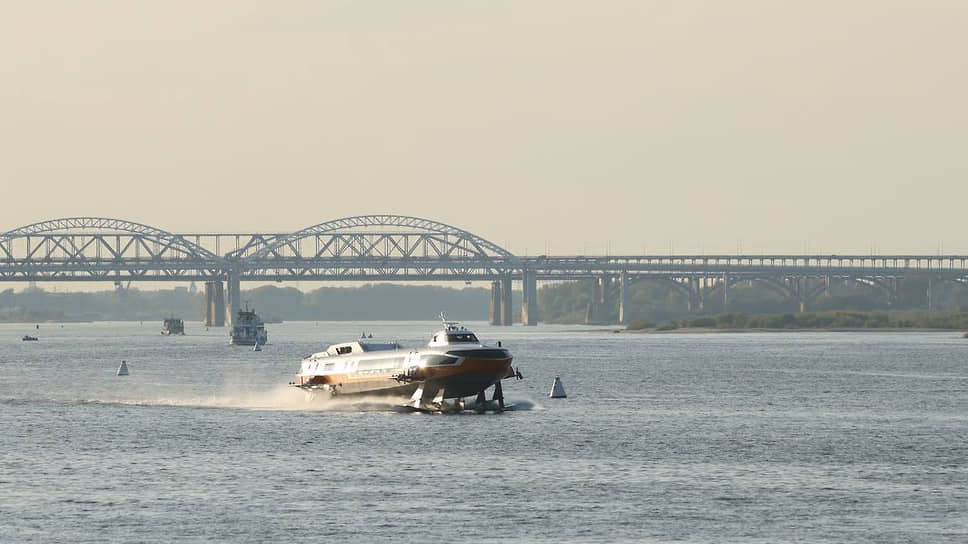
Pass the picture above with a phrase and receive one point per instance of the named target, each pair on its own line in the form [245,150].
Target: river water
[757,437]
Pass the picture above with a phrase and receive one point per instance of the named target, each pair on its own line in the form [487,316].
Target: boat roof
[453,333]
[360,347]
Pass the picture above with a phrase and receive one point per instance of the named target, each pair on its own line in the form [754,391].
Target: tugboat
[28,338]
[173,325]
[248,329]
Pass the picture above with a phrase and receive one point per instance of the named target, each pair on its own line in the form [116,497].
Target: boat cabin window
[342,350]
[456,338]
[373,346]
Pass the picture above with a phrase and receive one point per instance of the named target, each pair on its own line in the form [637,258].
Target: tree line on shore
[563,302]
[365,303]
[815,320]
[658,302]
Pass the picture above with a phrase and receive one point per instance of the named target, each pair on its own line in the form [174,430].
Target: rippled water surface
[812,437]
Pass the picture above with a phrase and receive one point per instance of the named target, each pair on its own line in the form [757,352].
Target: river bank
[714,330]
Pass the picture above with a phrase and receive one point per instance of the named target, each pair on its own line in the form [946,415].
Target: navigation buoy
[557,390]
[123,369]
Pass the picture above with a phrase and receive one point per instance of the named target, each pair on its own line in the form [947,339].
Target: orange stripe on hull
[468,378]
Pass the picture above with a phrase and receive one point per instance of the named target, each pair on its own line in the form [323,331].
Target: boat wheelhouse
[248,329]
[172,326]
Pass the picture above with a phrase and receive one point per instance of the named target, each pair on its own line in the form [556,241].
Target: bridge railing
[906,262]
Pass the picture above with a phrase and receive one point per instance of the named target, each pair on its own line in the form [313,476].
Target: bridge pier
[529,304]
[800,292]
[235,294]
[594,310]
[601,291]
[696,299]
[495,303]
[598,310]
[501,301]
[214,304]
[591,311]
[506,318]
[623,285]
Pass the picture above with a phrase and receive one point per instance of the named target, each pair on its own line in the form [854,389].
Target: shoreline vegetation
[370,302]
[811,321]
[651,308]
[32,316]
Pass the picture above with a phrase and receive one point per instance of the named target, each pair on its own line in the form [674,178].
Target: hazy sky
[569,127]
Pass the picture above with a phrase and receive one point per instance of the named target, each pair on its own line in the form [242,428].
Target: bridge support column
[623,288]
[802,293]
[495,303]
[695,302]
[235,294]
[702,283]
[506,318]
[214,304]
[725,293]
[529,304]
[606,298]
[597,310]
[929,297]
[591,311]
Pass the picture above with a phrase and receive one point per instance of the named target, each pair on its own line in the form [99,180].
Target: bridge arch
[61,232]
[778,287]
[682,287]
[365,236]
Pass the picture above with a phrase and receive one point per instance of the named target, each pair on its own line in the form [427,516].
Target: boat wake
[286,398]
[279,398]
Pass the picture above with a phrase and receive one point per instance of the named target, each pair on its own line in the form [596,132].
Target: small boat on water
[172,326]
[248,329]
[28,338]
[453,365]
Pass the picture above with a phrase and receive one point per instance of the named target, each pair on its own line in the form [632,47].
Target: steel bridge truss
[402,248]
[102,249]
[387,247]
[375,247]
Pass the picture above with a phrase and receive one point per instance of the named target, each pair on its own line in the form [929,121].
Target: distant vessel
[173,325]
[28,338]
[453,365]
[248,329]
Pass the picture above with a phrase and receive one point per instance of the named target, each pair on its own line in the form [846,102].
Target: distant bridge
[403,248]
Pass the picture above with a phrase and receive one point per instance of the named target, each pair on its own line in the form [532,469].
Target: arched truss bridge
[388,247]
[402,248]
[367,247]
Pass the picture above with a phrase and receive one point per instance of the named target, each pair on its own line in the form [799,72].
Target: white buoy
[557,390]
[123,369]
